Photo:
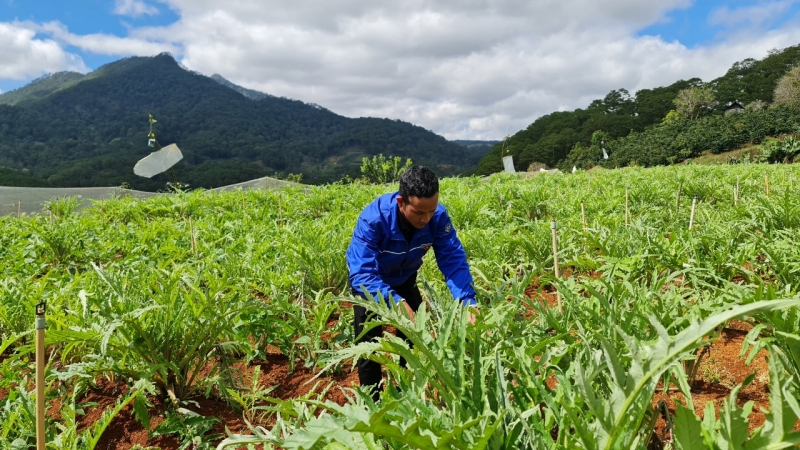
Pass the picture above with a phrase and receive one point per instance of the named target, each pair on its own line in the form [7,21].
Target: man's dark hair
[418,181]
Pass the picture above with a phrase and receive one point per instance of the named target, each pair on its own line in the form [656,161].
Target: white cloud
[25,56]
[761,13]
[134,8]
[105,44]
[476,69]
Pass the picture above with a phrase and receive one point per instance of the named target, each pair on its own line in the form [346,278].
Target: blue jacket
[379,256]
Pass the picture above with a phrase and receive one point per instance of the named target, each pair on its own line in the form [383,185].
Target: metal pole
[41,324]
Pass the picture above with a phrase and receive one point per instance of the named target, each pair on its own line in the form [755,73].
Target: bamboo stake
[555,247]
[626,208]
[191,232]
[19,208]
[555,258]
[40,325]
[691,216]
[736,198]
[583,217]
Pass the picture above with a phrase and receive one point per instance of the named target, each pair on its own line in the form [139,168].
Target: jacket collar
[394,220]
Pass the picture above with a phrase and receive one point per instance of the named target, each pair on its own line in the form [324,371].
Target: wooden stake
[191,232]
[736,198]
[626,207]
[40,325]
[555,256]
[691,216]
[19,208]
[583,217]
[766,183]
[555,247]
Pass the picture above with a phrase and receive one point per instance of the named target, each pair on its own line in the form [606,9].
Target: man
[392,235]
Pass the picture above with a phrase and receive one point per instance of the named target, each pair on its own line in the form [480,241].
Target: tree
[787,91]
[381,169]
[691,102]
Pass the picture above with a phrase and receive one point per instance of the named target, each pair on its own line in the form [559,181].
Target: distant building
[734,108]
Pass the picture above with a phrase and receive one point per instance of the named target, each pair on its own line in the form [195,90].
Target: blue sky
[466,70]
[713,21]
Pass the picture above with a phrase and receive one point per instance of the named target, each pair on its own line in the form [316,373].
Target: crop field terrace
[203,320]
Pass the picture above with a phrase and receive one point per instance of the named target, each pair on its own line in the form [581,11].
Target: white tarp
[22,200]
[508,164]
[158,162]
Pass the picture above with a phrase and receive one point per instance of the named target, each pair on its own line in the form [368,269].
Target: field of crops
[183,309]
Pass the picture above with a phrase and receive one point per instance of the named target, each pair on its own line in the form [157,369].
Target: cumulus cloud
[761,13]
[25,56]
[105,44]
[475,69]
[134,8]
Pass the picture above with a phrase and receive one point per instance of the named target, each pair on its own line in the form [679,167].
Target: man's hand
[471,315]
[404,304]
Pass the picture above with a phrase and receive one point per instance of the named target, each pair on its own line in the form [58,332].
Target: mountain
[40,88]
[552,138]
[72,130]
[249,93]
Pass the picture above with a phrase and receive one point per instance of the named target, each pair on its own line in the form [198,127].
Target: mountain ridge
[92,132]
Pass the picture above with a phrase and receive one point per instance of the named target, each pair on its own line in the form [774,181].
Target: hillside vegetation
[70,130]
[632,130]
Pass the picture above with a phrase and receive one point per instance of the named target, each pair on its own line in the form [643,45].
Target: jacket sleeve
[452,261]
[362,261]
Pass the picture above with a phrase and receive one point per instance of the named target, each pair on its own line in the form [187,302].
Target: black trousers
[370,373]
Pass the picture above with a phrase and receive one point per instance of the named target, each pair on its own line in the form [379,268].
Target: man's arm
[362,260]
[452,261]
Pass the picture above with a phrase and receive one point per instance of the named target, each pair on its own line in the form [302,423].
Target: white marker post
[691,216]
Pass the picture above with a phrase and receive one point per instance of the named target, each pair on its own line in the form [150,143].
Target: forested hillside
[75,130]
[635,117]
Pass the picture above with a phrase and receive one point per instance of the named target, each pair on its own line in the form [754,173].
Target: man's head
[419,195]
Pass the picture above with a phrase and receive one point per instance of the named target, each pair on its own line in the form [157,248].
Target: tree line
[664,124]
